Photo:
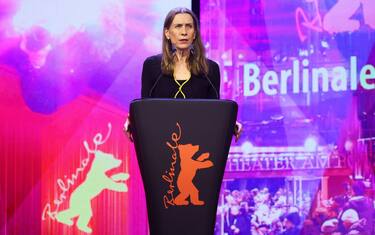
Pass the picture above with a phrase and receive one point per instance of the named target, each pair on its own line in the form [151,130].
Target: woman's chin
[183,47]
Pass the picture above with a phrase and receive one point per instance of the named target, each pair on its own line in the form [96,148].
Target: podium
[182,148]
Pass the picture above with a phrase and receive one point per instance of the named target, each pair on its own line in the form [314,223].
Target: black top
[158,85]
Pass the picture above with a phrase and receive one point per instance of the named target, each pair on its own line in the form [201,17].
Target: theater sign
[283,161]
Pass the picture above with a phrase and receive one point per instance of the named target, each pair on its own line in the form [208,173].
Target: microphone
[212,85]
[191,49]
[153,87]
[173,48]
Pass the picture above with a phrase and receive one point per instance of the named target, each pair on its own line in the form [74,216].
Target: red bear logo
[189,167]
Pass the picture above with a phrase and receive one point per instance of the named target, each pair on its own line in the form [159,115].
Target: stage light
[303,52]
[311,144]
[324,44]
[277,117]
[348,145]
[247,147]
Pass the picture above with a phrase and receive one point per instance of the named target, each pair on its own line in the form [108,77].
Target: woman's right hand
[127,129]
[237,131]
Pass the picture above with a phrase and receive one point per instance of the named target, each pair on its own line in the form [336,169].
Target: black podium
[182,148]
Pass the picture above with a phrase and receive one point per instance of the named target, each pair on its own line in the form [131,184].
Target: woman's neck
[182,55]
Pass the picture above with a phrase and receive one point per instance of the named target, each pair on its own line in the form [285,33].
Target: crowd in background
[259,212]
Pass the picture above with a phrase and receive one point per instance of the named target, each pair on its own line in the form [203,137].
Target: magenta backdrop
[67,71]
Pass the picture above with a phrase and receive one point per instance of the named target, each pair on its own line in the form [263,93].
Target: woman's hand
[237,131]
[127,129]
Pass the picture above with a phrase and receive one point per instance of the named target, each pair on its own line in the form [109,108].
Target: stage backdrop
[303,75]
[68,70]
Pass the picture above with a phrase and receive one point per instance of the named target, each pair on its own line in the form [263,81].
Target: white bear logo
[96,181]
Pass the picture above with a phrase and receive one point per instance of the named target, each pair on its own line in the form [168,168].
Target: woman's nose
[183,31]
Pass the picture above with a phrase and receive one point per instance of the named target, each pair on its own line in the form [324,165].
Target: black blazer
[158,85]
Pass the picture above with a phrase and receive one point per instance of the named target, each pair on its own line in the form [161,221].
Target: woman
[182,70]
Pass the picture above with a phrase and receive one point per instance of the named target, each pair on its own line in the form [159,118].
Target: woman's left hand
[127,129]
[237,131]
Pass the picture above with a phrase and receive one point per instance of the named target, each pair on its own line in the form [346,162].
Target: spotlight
[324,44]
[247,147]
[348,145]
[311,144]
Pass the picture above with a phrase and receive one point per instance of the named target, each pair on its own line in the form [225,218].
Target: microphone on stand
[212,85]
[153,87]
[173,48]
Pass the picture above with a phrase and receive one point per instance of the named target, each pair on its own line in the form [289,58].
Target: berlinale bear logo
[188,169]
[96,181]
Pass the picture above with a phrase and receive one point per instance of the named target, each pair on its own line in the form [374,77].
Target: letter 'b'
[251,79]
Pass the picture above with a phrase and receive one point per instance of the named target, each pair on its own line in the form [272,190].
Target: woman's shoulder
[153,60]
[212,63]
[213,67]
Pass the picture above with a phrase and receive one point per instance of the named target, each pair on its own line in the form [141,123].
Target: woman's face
[181,32]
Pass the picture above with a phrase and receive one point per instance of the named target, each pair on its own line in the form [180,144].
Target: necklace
[180,85]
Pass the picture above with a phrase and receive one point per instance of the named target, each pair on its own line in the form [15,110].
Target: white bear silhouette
[96,181]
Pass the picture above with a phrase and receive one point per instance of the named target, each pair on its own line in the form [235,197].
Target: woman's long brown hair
[197,58]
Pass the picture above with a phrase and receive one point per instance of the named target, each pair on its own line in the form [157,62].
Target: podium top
[162,100]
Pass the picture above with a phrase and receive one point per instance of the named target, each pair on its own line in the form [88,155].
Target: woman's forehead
[183,18]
